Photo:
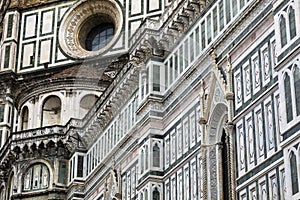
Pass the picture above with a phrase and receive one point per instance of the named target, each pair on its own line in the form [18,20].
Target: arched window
[292,22]
[99,36]
[51,111]
[36,178]
[294,173]
[86,103]
[155,194]
[156,156]
[24,125]
[141,196]
[288,98]
[142,161]
[146,194]
[146,157]
[283,36]
[297,88]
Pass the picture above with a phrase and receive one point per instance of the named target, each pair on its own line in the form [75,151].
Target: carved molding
[76,20]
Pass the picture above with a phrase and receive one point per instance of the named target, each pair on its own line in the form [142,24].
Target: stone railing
[29,137]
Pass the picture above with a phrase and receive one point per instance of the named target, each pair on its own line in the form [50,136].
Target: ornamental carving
[82,18]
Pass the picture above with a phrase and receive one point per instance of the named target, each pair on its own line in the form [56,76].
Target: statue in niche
[113,189]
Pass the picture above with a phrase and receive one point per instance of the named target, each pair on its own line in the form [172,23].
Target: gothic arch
[216,123]
[217,151]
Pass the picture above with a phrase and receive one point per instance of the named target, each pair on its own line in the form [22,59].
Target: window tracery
[37,177]
[294,173]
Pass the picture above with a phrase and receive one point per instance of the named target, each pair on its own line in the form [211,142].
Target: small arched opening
[51,111]
[86,103]
[24,118]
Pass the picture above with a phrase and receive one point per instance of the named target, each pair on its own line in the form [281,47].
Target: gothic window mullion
[288,98]
[296,75]
[283,31]
[292,22]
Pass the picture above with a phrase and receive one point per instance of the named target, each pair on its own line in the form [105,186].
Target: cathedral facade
[150,99]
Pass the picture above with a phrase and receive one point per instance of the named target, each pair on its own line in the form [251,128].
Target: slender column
[204,168]
[231,164]
[220,174]
[229,129]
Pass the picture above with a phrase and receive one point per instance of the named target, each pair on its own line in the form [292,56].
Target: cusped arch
[216,123]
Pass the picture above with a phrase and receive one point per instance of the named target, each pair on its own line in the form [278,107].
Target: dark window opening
[297,88]
[292,21]
[225,166]
[294,173]
[288,98]
[80,166]
[99,37]
[156,194]
[24,125]
[156,156]
[283,36]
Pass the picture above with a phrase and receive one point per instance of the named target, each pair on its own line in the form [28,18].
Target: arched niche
[86,103]
[24,118]
[216,124]
[218,154]
[51,111]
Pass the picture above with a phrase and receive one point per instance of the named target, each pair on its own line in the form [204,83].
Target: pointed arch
[283,34]
[216,123]
[156,155]
[288,97]
[294,172]
[146,157]
[296,75]
[146,194]
[142,161]
[292,22]
[156,194]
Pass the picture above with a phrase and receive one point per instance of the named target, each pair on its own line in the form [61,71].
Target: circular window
[90,28]
[99,37]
